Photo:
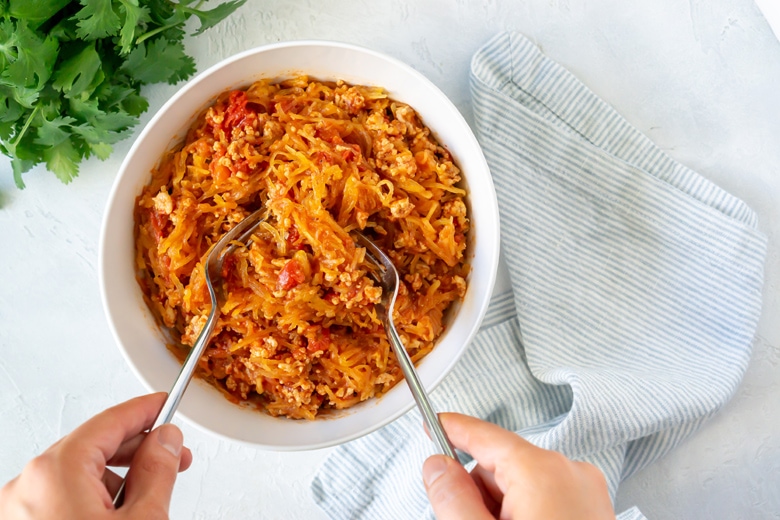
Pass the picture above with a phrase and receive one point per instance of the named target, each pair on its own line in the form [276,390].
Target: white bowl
[134,328]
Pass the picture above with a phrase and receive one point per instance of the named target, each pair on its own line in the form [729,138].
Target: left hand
[71,480]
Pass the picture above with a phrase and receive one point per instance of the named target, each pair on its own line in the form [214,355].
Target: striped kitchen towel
[635,294]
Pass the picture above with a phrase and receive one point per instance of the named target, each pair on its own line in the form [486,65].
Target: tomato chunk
[236,111]
[159,223]
[321,342]
[291,275]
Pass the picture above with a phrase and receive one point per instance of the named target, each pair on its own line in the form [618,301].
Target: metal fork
[238,235]
[387,277]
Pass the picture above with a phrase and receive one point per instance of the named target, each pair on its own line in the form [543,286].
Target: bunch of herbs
[71,73]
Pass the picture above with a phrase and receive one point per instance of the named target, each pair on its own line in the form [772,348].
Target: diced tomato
[236,111]
[159,222]
[292,235]
[291,275]
[242,166]
[320,342]
[294,239]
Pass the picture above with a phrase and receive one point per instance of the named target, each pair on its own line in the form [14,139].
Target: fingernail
[434,468]
[170,438]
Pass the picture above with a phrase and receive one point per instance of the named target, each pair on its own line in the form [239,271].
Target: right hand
[513,479]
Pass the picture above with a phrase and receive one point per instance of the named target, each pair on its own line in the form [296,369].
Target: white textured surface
[700,77]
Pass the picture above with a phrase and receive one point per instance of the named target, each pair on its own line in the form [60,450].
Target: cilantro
[27,56]
[35,11]
[71,73]
[159,60]
[134,15]
[209,19]
[62,160]
[97,19]
[52,133]
[76,73]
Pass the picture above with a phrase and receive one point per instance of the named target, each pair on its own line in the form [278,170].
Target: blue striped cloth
[635,294]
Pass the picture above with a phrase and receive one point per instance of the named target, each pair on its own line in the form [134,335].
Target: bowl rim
[116,193]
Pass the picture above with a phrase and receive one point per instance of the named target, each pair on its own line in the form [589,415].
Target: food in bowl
[298,333]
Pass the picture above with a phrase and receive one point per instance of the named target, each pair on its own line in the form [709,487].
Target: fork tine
[373,250]
[224,246]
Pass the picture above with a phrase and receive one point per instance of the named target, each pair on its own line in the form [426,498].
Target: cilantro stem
[189,10]
[182,8]
[26,125]
[145,36]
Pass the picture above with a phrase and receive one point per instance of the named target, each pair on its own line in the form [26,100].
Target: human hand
[513,479]
[71,480]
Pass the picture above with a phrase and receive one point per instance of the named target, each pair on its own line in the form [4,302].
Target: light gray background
[700,77]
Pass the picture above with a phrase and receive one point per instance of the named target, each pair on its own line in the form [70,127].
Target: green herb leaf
[135,105]
[52,133]
[134,15]
[76,73]
[124,97]
[10,110]
[209,19]
[71,73]
[97,19]
[26,97]
[160,10]
[65,30]
[35,11]
[101,150]
[62,160]
[159,60]
[27,58]
[19,166]
[99,126]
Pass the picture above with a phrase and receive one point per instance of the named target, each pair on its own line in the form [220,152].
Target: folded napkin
[635,293]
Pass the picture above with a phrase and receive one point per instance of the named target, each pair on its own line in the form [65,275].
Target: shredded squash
[299,333]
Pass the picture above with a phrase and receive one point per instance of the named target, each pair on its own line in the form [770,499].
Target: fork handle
[179,386]
[438,436]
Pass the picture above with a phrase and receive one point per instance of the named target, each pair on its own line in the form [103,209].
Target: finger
[486,442]
[125,453]
[112,481]
[98,439]
[186,459]
[492,495]
[451,491]
[152,473]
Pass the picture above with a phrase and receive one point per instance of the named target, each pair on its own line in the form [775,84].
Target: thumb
[452,492]
[153,472]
